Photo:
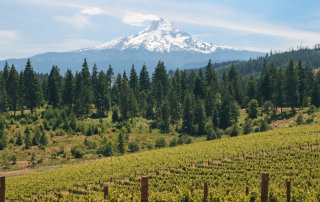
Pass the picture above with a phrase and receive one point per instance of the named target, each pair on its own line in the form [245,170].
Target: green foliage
[252,109]
[27,138]
[43,139]
[247,128]
[235,131]
[299,119]
[134,146]
[161,142]
[77,150]
[264,125]
[173,142]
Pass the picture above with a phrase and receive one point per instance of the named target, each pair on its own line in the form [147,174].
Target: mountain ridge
[160,40]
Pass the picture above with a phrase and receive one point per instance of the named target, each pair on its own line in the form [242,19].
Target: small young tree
[161,142]
[235,130]
[299,119]
[173,142]
[13,157]
[44,139]
[252,109]
[27,138]
[19,140]
[264,126]
[267,108]
[247,128]
[134,146]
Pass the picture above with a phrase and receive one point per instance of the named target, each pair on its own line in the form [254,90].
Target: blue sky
[30,27]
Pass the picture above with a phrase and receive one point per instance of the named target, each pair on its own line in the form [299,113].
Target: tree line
[196,104]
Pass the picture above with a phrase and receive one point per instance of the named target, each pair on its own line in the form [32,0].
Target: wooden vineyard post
[288,191]
[247,191]
[2,189]
[264,187]
[192,193]
[227,192]
[144,188]
[59,196]
[106,191]
[205,192]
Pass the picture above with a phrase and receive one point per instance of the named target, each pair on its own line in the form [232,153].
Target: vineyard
[226,164]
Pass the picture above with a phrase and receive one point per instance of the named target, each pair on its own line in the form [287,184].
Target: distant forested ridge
[308,57]
[194,102]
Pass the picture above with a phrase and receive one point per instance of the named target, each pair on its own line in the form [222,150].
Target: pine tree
[115,95]
[175,105]
[124,100]
[160,75]
[54,87]
[236,83]
[209,73]
[68,89]
[19,140]
[121,148]
[302,82]
[292,83]
[124,76]
[315,95]
[115,114]
[159,97]
[200,117]
[36,137]
[32,90]
[86,90]
[265,82]
[212,99]
[44,88]
[134,81]
[144,79]
[5,73]
[188,114]
[27,138]
[3,96]
[279,89]
[229,110]
[133,107]
[110,74]
[200,88]
[44,139]
[251,89]
[94,81]
[21,100]
[103,95]
[273,80]
[165,114]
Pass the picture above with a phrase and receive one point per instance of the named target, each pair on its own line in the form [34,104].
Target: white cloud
[137,19]
[6,34]
[77,20]
[92,11]
[201,35]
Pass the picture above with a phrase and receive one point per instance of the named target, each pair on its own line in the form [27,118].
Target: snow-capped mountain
[159,36]
[161,40]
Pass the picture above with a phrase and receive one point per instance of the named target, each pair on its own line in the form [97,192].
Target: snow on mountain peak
[159,36]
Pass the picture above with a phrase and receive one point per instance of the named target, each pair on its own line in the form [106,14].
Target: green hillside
[226,164]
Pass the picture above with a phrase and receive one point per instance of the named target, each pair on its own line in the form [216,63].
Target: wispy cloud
[92,11]
[77,20]
[7,34]
[201,35]
[137,19]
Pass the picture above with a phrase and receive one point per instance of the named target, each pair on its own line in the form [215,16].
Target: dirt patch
[18,172]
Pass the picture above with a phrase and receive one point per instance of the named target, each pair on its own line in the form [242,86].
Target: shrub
[310,119]
[161,142]
[134,146]
[247,128]
[173,142]
[299,119]
[312,109]
[264,126]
